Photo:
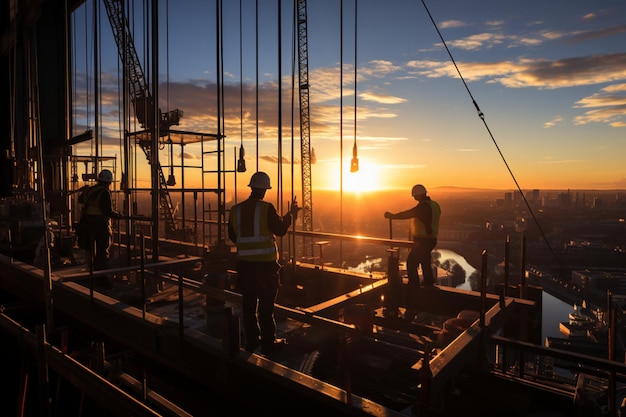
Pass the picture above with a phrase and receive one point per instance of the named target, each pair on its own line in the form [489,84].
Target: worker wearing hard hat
[424,227]
[96,217]
[253,225]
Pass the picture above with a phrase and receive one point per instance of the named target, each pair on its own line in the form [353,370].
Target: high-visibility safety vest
[419,229]
[261,245]
[91,199]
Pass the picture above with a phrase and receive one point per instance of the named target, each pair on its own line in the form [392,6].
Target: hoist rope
[354,165]
[341,117]
[482,117]
[279,192]
[240,73]
[257,82]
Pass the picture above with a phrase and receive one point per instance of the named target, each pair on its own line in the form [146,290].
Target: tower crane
[305,138]
[143,102]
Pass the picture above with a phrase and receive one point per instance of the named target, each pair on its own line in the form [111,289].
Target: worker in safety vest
[253,225]
[424,229]
[97,212]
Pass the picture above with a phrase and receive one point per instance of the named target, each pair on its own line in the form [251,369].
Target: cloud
[609,116]
[379,68]
[538,73]
[582,36]
[609,107]
[380,98]
[446,24]
[274,159]
[487,40]
[478,41]
[555,121]
[189,155]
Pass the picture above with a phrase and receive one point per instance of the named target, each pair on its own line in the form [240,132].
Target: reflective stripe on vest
[418,228]
[261,246]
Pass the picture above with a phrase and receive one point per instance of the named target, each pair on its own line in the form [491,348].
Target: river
[554,310]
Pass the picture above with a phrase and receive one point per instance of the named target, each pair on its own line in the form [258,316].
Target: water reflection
[462,262]
[554,310]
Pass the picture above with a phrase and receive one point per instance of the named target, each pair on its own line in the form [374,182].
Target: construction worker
[424,227]
[252,226]
[96,214]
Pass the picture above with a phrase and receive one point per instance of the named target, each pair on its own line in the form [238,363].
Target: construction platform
[163,338]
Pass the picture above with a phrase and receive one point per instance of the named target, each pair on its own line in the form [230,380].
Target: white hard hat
[105,176]
[418,189]
[260,180]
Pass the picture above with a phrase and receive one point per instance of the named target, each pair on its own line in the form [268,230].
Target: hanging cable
[97,70]
[341,117]
[482,117]
[354,164]
[279,191]
[241,162]
[257,83]
[171,179]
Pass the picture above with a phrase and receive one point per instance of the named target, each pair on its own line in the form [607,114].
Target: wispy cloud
[379,68]
[595,34]
[446,24]
[538,73]
[609,107]
[555,121]
[273,159]
[381,98]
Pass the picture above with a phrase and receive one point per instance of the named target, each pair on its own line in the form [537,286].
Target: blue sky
[549,77]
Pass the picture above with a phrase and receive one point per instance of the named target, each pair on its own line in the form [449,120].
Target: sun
[367,178]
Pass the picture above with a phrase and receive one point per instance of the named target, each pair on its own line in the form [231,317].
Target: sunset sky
[549,77]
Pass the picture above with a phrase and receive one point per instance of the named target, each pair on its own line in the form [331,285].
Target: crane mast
[141,98]
[142,101]
[305,139]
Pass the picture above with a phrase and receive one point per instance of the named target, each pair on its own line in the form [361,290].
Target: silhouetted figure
[96,213]
[424,227]
[253,225]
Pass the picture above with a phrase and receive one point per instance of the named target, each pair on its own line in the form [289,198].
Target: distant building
[597,203]
[535,196]
[599,281]
[508,200]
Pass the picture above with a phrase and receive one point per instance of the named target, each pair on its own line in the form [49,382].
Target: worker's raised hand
[294,208]
[388,215]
